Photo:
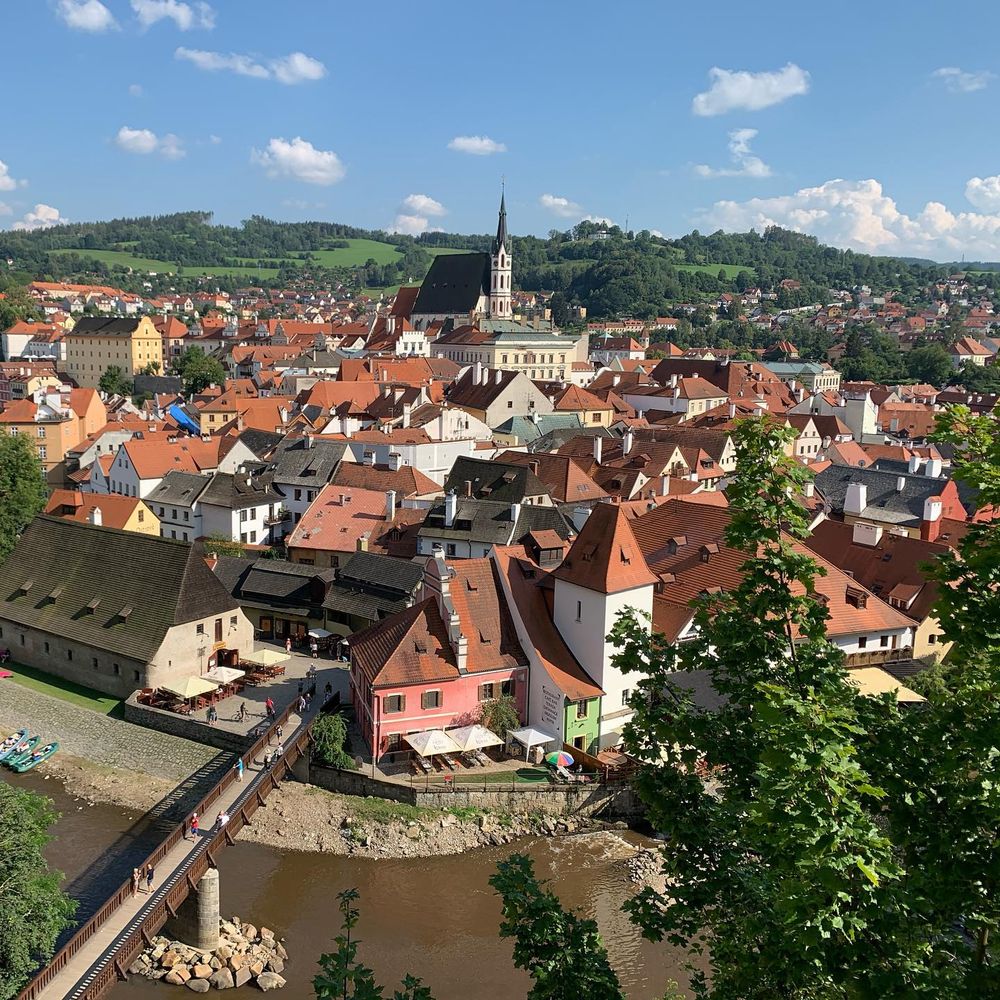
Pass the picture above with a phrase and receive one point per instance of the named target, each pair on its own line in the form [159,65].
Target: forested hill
[610,272]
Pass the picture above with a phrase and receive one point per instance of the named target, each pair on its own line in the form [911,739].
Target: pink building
[433,665]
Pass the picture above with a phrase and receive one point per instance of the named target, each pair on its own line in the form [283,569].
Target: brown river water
[436,918]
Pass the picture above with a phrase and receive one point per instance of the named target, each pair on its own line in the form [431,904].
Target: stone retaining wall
[184,726]
[614,801]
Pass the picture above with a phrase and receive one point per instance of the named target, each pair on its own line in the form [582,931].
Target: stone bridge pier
[197,920]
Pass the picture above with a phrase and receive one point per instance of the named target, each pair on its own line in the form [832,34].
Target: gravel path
[99,738]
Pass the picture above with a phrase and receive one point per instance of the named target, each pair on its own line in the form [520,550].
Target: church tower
[500,291]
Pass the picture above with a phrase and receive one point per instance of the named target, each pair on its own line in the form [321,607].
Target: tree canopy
[23,490]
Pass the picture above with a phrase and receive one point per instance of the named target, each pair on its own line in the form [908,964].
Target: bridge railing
[130,947]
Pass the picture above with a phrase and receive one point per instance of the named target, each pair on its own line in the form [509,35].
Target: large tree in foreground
[778,873]
[23,491]
[33,909]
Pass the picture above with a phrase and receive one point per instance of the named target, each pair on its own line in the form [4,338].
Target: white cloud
[477,145]
[423,204]
[984,192]
[142,142]
[5,209]
[860,215]
[299,160]
[8,183]
[185,15]
[291,69]
[960,81]
[135,90]
[86,15]
[297,68]
[747,164]
[41,217]
[415,214]
[733,90]
[562,207]
[215,140]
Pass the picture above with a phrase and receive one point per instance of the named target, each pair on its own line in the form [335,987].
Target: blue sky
[869,125]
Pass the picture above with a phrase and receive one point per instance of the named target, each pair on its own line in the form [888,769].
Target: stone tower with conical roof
[500,270]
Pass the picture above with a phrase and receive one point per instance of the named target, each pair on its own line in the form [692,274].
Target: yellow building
[98,342]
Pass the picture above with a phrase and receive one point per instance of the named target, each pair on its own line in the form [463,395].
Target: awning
[875,681]
[189,687]
[474,737]
[431,742]
[530,737]
[224,675]
[266,657]
[319,633]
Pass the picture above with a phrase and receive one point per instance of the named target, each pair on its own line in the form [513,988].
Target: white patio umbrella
[224,675]
[474,737]
[266,657]
[431,742]
[189,687]
[530,737]
[319,633]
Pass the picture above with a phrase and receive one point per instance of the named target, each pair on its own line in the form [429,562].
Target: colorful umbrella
[559,758]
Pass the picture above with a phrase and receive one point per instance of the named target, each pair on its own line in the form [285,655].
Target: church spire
[501,240]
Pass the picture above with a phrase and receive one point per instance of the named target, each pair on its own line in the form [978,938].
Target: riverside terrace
[228,732]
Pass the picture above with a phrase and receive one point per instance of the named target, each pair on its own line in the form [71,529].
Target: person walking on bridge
[194,827]
[239,769]
[150,872]
[135,882]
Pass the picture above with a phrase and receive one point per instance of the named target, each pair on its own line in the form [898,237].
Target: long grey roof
[492,480]
[236,491]
[369,569]
[299,463]
[179,488]
[489,522]
[113,590]
[886,501]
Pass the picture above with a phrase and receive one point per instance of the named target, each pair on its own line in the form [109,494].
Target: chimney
[914,466]
[809,490]
[664,485]
[867,534]
[406,415]
[933,470]
[363,542]
[450,509]
[498,377]
[308,441]
[673,381]
[598,448]
[732,410]
[461,647]
[440,423]
[900,483]
[930,526]
[478,375]
[369,458]
[628,441]
[515,513]
[615,379]
[856,498]
[95,516]
[395,461]
[390,505]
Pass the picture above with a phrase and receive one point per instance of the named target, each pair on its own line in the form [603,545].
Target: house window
[862,642]
[430,699]
[41,432]
[233,619]
[626,694]
[173,534]
[43,452]
[93,662]
[393,703]
[580,743]
[135,676]
[883,640]
[22,638]
[46,647]
[218,630]
[69,654]
[486,692]
[932,639]
[187,515]
[579,611]
[510,404]
[451,548]
[243,515]
[582,709]
[117,670]
[507,687]
[393,741]
[199,629]
[142,516]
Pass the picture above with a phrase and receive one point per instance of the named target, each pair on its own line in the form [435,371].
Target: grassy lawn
[122,258]
[55,687]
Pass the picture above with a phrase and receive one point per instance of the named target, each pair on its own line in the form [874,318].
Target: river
[436,918]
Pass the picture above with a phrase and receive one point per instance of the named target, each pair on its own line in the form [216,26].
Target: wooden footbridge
[101,950]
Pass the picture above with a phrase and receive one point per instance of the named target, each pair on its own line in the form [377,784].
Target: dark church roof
[454,284]
[113,590]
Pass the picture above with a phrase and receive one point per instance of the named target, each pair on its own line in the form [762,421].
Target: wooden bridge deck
[102,949]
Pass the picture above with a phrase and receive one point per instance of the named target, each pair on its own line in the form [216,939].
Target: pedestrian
[288,644]
[194,826]
[222,819]
[269,707]
[149,878]
[280,731]
[309,699]
[328,689]
[239,769]
[301,703]
[279,751]
[213,715]
[135,882]
[243,713]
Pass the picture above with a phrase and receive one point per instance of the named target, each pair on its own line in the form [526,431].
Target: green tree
[151,368]
[561,951]
[114,382]
[33,909]
[930,364]
[499,715]
[941,765]
[199,371]
[23,491]
[329,739]
[776,865]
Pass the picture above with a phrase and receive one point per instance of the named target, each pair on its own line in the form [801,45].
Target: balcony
[876,657]
[277,517]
